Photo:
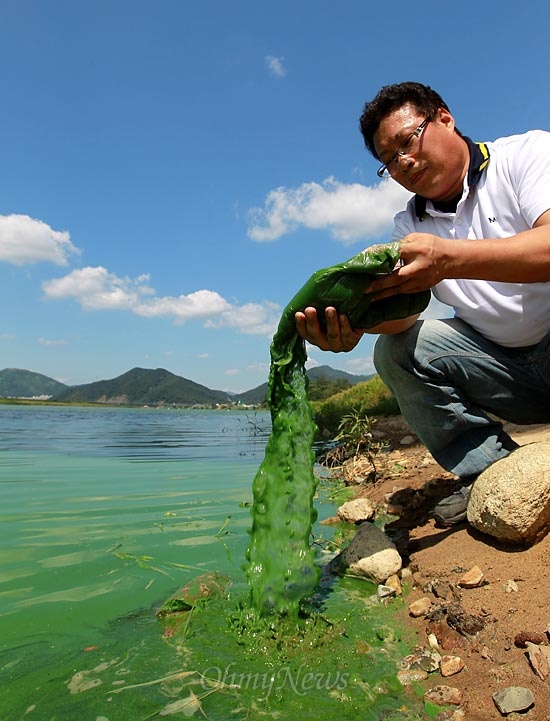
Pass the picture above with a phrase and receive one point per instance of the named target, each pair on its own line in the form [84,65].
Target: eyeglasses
[408,147]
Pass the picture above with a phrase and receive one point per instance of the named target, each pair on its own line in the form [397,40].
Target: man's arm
[428,259]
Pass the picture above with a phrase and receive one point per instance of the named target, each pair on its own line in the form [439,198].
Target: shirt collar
[479,160]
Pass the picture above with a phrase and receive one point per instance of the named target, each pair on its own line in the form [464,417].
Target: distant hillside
[18,383]
[257,395]
[144,387]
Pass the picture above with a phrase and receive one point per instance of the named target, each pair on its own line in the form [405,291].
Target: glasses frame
[384,170]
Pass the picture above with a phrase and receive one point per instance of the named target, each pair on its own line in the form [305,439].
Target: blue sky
[172,172]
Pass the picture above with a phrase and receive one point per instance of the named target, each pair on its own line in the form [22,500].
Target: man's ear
[445,118]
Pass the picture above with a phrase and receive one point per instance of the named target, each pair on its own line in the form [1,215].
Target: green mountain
[257,395]
[144,387]
[18,383]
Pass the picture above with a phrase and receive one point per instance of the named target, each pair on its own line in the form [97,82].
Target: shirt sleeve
[530,174]
[403,223]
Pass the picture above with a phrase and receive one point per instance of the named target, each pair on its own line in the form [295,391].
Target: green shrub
[371,398]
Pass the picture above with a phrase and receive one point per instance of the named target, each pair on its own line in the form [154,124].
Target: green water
[103,515]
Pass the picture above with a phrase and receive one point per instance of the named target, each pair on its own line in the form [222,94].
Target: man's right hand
[339,336]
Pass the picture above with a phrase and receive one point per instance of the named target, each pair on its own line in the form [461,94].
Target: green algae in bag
[343,287]
[282,569]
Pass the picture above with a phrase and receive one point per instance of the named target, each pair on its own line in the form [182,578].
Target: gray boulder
[510,500]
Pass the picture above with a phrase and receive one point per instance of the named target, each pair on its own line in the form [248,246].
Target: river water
[103,514]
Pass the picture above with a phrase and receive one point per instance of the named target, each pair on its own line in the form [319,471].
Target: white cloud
[360,366]
[232,372]
[348,211]
[200,304]
[275,66]
[24,240]
[251,318]
[51,343]
[98,289]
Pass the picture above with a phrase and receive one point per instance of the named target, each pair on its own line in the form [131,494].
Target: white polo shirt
[513,192]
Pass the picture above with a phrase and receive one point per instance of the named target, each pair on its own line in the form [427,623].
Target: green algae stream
[282,571]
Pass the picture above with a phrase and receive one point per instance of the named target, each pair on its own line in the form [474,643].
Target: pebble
[384,591]
[420,607]
[450,665]
[442,695]
[408,676]
[521,638]
[472,578]
[394,582]
[513,698]
[539,658]
[407,440]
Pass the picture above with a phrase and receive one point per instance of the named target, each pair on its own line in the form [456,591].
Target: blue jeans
[447,378]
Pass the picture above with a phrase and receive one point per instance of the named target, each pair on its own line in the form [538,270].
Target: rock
[510,500]
[371,554]
[511,586]
[449,665]
[384,591]
[420,607]
[447,637]
[472,578]
[394,582]
[407,440]
[407,676]
[356,511]
[539,658]
[521,638]
[513,698]
[442,695]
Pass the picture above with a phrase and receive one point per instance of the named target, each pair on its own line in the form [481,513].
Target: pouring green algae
[281,567]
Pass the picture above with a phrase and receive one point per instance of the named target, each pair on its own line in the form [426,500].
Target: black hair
[392,97]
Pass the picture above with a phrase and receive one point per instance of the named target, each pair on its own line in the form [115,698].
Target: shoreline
[512,597]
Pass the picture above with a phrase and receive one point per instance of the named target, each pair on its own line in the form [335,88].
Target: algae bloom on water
[281,565]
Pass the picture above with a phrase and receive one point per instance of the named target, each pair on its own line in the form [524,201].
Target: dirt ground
[513,597]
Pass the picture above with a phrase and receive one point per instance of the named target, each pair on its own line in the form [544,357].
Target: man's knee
[397,350]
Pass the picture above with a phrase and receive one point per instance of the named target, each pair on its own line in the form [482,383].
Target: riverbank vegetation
[371,398]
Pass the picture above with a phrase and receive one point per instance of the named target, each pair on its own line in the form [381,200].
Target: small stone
[394,582]
[450,665]
[511,586]
[432,641]
[384,591]
[408,676]
[513,698]
[472,578]
[447,637]
[442,695]
[420,607]
[356,511]
[521,638]
[539,658]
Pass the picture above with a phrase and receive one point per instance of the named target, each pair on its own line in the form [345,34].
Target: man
[477,232]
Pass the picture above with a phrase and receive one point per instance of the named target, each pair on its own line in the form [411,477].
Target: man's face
[438,159]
